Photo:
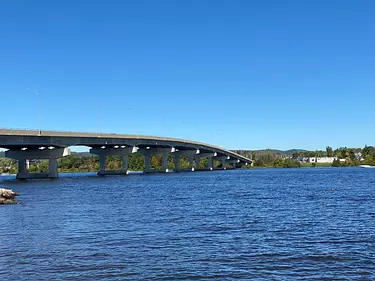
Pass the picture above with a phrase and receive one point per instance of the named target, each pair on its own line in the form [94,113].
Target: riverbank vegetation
[85,162]
[90,163]
[298,158]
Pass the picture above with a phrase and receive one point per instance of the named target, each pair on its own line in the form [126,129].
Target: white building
[322,159]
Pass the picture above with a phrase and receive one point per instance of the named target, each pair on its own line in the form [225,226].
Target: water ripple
[274,224]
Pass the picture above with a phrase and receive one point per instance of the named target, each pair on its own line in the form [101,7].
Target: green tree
[329,151]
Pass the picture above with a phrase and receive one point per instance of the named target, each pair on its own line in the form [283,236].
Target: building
[321,159]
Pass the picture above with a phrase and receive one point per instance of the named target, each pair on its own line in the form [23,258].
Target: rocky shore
[7,196]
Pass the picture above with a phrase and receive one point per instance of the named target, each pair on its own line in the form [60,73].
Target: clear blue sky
[242,74]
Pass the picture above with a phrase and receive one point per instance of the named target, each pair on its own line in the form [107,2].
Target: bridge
[25,145]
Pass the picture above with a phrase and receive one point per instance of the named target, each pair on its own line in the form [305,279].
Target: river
[259,224]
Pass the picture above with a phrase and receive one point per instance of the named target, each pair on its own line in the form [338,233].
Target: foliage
[329,151]
[75,163]
[8,166]
[336,163]
[348,156]
[264,158]
[286,163]
[85,162]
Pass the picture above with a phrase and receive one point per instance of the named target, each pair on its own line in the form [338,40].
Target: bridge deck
[13,138]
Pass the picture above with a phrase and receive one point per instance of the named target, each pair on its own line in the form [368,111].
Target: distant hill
[2,153]
[82,154]
[281,153]
[288,152]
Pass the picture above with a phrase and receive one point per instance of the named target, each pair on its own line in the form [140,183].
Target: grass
[309,165]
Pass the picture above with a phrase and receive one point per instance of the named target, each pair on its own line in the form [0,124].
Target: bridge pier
[124,152]
[177,163]
[222,160]
[147,152]
[164,166]
[189,154]
[232,162]
[23,157]
[147,156]
[210,161]
[197,163]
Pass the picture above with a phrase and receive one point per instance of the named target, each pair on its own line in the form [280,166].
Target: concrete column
[52,169]
[232,162]
[177,162]
[147,163]
[147,152]
[51,154]
[210,163]
[102,163]
[165,161]
[22,168]
[197,163]
[125,163]
[103,152]
[190,154]
[191,161]
[222,160]
[209,156]
[223,164]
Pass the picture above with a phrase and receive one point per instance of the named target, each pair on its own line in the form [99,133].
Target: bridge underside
[51,146]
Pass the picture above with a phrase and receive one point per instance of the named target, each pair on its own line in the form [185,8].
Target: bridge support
[232,162]
[222,160]
[189,154]
[177,163]
[147,156]
[197,163]
[210,161]
[150,151]
[23,157]
[124,152]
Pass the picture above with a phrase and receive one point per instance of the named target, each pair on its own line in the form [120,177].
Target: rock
[7,196]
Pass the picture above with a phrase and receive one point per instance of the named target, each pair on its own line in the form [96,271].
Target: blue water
[266,224]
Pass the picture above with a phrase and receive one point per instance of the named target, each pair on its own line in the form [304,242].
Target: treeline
[288,159]
[355,157]
[269,159]
[345,156]
[261,158]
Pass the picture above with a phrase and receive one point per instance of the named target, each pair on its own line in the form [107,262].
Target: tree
[329,151]
[265,158]
[336,163]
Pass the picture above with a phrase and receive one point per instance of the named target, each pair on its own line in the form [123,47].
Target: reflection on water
[280,224]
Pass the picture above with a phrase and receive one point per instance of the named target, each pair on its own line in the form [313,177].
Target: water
[267,224]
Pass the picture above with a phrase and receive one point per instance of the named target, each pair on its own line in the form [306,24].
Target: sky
[240,74]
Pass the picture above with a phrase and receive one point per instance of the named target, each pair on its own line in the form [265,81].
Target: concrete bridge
[24,145]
